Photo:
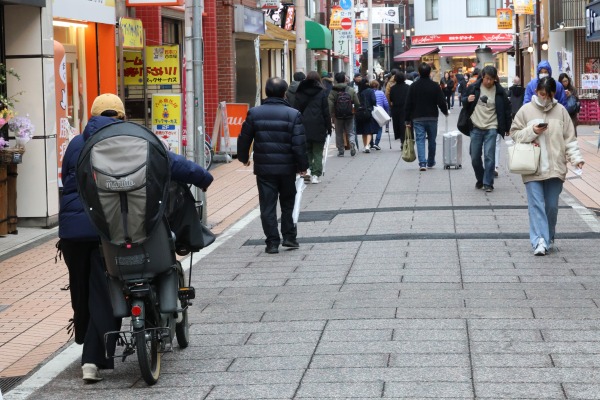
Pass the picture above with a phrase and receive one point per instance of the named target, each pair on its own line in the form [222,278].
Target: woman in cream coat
[558,145]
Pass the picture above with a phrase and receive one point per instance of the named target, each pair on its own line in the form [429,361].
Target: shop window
[431,10]
[483,8]
[171,31]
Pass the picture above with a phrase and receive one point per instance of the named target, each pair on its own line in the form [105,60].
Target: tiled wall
[151,18]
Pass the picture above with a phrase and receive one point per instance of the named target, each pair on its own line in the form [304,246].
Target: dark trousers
[270,188]
[90,299]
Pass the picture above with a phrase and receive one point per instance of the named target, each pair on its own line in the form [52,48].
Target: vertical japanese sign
[63,128]
[504,18]
[166,119]
[162,66]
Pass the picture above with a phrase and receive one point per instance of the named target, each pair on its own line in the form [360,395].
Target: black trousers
[270,188]
[90,299]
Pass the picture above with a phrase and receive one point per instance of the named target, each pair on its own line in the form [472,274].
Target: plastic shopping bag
[300,186]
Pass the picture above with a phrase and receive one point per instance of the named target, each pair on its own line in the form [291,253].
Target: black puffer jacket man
[279,154]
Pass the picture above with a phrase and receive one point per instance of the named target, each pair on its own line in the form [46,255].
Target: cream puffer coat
[557,143]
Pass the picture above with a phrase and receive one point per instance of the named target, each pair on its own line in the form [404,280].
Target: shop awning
[500,48]
[415,53]
[318,37]
[453,51]
[275,37]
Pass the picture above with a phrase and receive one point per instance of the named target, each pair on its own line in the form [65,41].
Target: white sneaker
[307,175]
[366,150]
[314,179]
[90,373]
[540,249]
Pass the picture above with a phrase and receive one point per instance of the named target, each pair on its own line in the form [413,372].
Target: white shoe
[307,175]
[366,150]
[314,179]
[540,249]
[90,373]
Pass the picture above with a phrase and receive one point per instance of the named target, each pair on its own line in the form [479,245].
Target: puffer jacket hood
[545,65]
[309,87]
[557,143]
[294,86]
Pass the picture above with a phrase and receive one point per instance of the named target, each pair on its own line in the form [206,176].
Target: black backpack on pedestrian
[343,105]
[363,114]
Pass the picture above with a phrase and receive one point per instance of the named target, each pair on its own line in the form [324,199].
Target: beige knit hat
[106,102]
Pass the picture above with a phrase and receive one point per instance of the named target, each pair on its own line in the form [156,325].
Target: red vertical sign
[358,47]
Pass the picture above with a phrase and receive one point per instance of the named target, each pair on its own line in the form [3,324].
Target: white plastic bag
[325,153]
[300,186]
[380,115]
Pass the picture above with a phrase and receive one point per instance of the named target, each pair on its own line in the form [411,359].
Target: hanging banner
[162,66]
[590,81]
[362,28]
[504,18]
[132,33]
[385,15]
[523,7]
[63,128]
[166,119]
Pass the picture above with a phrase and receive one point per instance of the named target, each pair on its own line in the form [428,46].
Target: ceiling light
[67,24]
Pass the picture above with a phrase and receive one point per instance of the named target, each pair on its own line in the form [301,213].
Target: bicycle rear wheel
[208,156]
[182,328]
[147,346]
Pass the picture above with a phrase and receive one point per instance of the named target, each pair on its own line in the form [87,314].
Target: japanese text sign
[166,118]
[162,66]
[132,33]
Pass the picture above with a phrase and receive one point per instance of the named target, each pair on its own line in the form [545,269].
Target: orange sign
[362,28]
[523,7]
[504,18]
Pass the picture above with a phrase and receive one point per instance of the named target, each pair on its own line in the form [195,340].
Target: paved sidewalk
[407,284]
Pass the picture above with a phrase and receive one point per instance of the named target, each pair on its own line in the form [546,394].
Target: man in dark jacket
[279,154]
[90,299]
[344,125]
[489,108]
[424,98]
[290,94]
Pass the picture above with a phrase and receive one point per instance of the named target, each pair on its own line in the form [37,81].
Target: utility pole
[370,40]
[199,124]
[300,36]
[538,32]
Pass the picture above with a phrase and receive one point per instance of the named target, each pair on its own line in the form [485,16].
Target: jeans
[498,141]
[378,136]
[425,129]
[486,140]
[452,100]
[271,187]
[542,204]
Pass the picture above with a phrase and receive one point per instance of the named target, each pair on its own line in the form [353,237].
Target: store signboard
[385,15]
[132,33]
[523,7]
[100,11]
[361,28]
[162,66]
[248,20]
[590,81]
[463,38]
[166,119]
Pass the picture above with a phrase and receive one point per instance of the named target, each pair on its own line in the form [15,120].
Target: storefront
[249,24]
[277,53]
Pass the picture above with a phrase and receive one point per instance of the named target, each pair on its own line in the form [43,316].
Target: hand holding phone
[542,125]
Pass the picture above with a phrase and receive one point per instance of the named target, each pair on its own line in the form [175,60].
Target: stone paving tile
[489,390]
[340,390]
[431,390]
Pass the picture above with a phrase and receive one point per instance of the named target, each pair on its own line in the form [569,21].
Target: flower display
[22,128]
[5,115]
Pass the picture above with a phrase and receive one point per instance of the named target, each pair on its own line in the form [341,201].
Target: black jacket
[424,98]
[516,94]
[278,135]
[502,105]
[311,101]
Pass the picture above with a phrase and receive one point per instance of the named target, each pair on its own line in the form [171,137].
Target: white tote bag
[523,158]
[380,115]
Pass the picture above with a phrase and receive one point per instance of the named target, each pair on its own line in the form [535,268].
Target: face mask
[542,76]
[543,102]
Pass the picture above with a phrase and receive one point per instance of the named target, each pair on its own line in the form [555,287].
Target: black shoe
[488,188]
[291,243]
[479,185]
[272,249]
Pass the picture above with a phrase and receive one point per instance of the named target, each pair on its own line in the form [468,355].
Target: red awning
[499,48]
[415,53]
[452,51]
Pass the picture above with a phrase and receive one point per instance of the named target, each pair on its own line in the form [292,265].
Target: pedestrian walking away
[382,102]
[572,99]
[366,126]
[311,101]
[398,95]
[489,108]
[290,94]
[424,98]
[547,124]
[343,101]
[277,132]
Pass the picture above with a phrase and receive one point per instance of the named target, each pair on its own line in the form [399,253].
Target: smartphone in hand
[542,125]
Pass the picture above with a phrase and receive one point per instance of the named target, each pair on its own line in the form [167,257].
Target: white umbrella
[325,152]
[300,186]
